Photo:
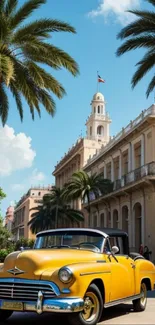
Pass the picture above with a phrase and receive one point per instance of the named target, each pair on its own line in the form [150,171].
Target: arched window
[98,109]
[100,130]
[94,110]
[90,130]
[98,97]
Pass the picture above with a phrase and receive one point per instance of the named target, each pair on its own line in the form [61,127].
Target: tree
[53,209]
[140,34]
[24,50]
[84,186]
[2,194]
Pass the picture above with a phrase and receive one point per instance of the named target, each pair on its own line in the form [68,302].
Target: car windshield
[84,240]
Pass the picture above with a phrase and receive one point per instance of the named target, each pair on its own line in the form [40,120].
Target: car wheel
[140,304]
[5,314]
[93,307]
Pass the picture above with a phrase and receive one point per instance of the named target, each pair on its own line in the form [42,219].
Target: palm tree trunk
[56,217]
[89,207]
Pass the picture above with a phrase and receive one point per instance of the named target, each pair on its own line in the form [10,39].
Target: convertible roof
[113,231]
[108,231]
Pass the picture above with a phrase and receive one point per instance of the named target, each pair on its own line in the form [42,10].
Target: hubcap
[144,294]
[91,307]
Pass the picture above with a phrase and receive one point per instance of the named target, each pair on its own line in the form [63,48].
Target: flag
[100,79]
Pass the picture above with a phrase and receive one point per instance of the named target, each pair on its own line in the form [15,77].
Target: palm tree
[141,34]
[84,186]
[24,50]
[54,208]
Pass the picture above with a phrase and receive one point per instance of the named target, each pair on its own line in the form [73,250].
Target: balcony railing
[136,175]
[132,177]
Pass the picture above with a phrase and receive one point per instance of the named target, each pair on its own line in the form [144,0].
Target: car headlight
[65,275]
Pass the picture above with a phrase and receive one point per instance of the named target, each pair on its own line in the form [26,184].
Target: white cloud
[37,176]
[16,152]
[117,9]
[18,187]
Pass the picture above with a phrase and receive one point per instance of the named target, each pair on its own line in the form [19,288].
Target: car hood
[32,263]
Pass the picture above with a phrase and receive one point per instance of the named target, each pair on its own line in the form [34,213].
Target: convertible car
[78,272]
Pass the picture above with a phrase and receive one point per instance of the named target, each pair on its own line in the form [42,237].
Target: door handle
[133,265]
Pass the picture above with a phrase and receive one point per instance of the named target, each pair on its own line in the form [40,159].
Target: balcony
[135,175]
[146,171]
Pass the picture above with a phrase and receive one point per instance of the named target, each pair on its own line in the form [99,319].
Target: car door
[122,269]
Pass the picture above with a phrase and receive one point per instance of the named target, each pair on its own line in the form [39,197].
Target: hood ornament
[15,271]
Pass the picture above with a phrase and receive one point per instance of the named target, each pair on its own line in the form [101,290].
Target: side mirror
[115,250]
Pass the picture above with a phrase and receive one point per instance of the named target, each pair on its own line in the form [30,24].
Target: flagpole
[97,81]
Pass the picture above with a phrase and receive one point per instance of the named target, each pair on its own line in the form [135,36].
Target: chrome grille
[25,291]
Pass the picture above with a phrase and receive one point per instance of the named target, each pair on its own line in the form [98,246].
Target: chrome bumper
[66,305]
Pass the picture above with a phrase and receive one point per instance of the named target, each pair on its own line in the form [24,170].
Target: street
[122,314]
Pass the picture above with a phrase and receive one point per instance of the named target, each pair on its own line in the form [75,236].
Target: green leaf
[4,104]
[147,41]
[10,7]
[17,96]
[151,87]
[145,65]
[25,11]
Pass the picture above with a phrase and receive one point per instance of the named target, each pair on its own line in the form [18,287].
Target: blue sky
[30,150]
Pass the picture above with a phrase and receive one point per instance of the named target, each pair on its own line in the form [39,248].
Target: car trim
[73,229]
[90,273]
[53,286]
[120,301]
[64,305]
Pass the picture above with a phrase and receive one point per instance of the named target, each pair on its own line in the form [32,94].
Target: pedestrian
[147,253]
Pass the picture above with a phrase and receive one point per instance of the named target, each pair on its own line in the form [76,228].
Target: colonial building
[9,217]
[97,135]
[128,160]
[23,213]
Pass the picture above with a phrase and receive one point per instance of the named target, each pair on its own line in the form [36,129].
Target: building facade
[23,213]
[98,125]
[9,217]
[128,160]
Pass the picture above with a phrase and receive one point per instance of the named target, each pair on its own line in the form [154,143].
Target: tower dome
[98,96]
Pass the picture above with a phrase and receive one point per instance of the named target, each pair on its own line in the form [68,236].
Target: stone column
[105,171]
[112,170]
[142,150]
[120,165]
[129,158]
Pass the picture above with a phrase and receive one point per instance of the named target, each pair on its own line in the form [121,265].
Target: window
[119,242]
[94,110]
[98,109]
[90,130]
[100,130]
[39,193]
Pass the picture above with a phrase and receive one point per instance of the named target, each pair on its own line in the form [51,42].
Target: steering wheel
[90,245]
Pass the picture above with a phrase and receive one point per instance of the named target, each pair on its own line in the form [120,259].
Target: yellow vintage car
[78,272]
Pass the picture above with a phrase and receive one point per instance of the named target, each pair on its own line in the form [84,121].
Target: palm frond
[138,27]
[42,27]
[17,96]
[147,41]
[2,5]
[10,7]
[44,79]
[151,87]
[4,104]
[145,65]
[25,11]
[147,15]
[6,69]
[49,54]
[152,2]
